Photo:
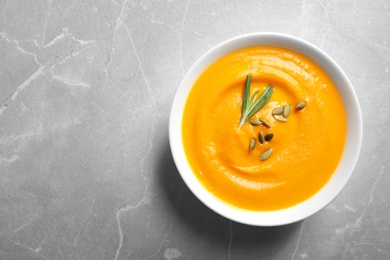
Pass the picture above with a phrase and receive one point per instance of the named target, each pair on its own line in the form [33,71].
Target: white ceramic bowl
[351,149]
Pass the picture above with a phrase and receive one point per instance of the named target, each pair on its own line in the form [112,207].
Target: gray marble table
[86,170]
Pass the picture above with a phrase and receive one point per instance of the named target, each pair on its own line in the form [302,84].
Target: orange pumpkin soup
[306,149]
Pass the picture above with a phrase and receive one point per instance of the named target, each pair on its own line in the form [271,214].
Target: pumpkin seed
[255,122]
[268,137]
[280,118]
[261,138]
[252,144]
[286,110]
[265,122]
[266,154]
[277,111]
[300,105]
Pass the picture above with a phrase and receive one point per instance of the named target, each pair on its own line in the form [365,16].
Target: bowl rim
[347,162]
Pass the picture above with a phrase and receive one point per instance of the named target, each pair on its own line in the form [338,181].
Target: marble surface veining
[86,170]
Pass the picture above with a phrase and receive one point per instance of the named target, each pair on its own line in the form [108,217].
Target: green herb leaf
[251,106]
[254,95]
[246,100]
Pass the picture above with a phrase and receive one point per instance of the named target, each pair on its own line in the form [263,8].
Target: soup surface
[305,150]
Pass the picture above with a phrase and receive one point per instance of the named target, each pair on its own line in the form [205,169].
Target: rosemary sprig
[250,106]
